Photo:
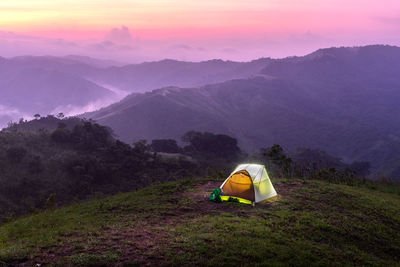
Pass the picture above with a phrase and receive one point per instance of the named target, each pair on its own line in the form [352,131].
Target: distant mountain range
[76,84]
[342,100]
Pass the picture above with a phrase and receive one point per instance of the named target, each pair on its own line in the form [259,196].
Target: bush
[16,154]
[61,135]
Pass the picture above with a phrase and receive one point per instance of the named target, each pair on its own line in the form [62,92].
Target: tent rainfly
[248,183]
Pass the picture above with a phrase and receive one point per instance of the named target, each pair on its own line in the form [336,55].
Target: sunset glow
[270,21]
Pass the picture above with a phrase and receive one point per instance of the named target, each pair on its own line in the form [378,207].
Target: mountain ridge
[306,103]
[106,76]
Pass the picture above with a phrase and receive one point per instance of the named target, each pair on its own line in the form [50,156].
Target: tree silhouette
[280,159]
[60,116]
[165,145]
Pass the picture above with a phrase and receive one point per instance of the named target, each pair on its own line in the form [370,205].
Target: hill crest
[313,223]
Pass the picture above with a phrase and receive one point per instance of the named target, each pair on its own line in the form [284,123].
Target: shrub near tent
[248,183]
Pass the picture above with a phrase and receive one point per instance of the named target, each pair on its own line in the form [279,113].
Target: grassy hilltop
[312,223]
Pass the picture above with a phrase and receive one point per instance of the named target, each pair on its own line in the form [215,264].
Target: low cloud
[9,114]
[120,35]
[63,43]
[104,45]
[8,111]
[72,110]
[120,44]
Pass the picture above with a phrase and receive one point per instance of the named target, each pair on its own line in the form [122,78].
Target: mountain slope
[94,62]
[313,224]
[75,84]
[145,76]
[362,81]
[41,90]
[152,75]
[280,112]
[328,100]
[222,107]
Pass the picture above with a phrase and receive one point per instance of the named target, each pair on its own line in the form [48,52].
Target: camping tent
[248,183]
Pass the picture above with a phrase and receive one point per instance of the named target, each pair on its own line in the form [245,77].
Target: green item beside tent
[216,195]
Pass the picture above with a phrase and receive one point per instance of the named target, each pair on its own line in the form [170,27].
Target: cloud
[72,110]
[103,45]
[14,36]
[119,44]
[7,111]
[8,114]
[62,42]
[119,35]
[13,44]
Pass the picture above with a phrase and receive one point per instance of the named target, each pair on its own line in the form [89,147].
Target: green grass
[314,223]
[93,259]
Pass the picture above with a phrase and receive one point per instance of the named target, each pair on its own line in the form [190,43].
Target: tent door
[239,185]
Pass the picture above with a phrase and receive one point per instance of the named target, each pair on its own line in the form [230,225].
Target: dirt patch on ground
[201,192]
[140,244]
[284,189]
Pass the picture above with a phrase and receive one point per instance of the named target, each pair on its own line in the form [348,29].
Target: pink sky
[137,30]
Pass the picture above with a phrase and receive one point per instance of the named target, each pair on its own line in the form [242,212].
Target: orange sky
[190,18]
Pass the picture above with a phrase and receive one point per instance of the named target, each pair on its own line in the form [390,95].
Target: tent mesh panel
[239,185]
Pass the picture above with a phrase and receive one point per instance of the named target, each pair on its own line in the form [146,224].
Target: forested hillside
[40,169]
[52,161]
[341,100]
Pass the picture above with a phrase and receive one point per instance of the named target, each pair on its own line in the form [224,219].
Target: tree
[165,145]
[37,116]
[308,162]
[140,147]
[61,135]
[16,154]
[60,116]
[280,159]
[91,136]
[211,146]
[35,165]
[360,168]
[61,125]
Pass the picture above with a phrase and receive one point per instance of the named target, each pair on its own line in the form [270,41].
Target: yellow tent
[248,183]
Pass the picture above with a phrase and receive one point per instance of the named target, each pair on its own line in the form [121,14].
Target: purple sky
[143,30]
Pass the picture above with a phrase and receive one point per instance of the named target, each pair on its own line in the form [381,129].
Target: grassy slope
[315,223]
